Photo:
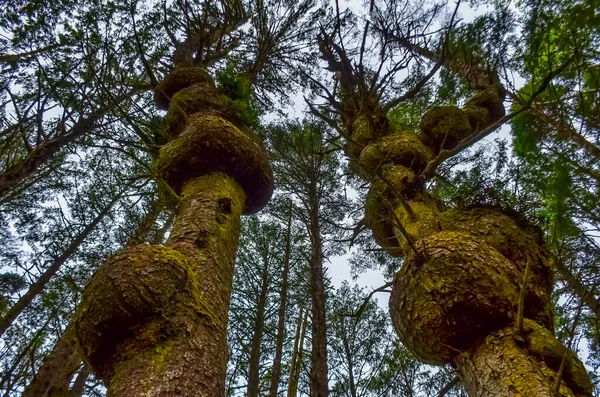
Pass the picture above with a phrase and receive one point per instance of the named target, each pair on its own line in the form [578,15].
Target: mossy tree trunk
[297,354]
[58,368]
[153,320]
[480,77]
[474,289]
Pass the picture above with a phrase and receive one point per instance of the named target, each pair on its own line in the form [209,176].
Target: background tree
[307,169]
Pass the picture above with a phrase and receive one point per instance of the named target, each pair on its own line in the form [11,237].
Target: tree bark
[79,384]
[153,319]
[58,369]
[276,368]
[583,293]
[59,366]
[505,366]
[297,356]
[349,361]
[175,342]
[39,285]
[318,377]
[475,287]
[259,325]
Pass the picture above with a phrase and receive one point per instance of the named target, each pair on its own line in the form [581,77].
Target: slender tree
[306,166]
[283,298]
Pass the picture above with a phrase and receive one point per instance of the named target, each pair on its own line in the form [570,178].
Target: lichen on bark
[153,320]
[457,298]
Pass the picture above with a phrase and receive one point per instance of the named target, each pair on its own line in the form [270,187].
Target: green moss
[212,144]
[443,127]
[399,149]
[424,224]
[479,117]
[131,288]
[491,99]
[199,98]
[383,194]
[176,80]
[453,299]
[543,345]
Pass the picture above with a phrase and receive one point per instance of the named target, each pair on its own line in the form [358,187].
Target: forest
[353,198]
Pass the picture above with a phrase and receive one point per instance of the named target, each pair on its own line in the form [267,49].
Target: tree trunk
[7,373]
[318,377]
[79,385]
[40,283]
[295,351]
[174,341]
[583,293]
[484,78]
[475,287]
[259,325]
[505,366]
[279,339]
[349,361]
[153,319]
[297,356]
[59,366]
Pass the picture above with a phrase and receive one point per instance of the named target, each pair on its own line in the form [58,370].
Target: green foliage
[238,94]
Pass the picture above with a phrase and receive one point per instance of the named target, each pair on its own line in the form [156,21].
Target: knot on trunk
[399,149]
[129,291]
[199,98]
[444,127]
[177,80]
[464,290]
[385,194]
[212,144]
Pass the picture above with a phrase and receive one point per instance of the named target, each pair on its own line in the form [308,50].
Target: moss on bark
[153,320]
[381,199]
[459,291]
[443,127]
[178,79]
[210,144]
[490,99]
[504,366]
[154,313]
[400,149]
[202,98]
[450,303]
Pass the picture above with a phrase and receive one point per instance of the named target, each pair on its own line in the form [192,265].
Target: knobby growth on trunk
[153,319]
[55,375]
[456,299]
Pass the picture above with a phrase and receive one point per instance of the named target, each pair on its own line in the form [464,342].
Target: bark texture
[457,298]
[259,326]
[153,320]
[61,364]
[318,376]
[279,339]
[297,354]
[55,375]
